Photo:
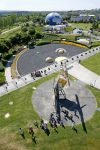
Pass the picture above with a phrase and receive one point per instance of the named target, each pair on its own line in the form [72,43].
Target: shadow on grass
[70,105]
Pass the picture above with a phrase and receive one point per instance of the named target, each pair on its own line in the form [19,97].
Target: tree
[1,67]
[17,39]
[38,35]
[24,29]
[26,38]
[3,48]
[95,24]
[31,31]
[31,44]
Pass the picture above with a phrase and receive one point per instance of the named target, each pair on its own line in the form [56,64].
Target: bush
[43,43]
[1,67]
[95,44]
[2,78]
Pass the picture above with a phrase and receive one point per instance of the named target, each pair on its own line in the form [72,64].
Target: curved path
[73,69]
[13,29]
[34,59]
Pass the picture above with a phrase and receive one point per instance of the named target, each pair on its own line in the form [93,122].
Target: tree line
[27,36]
[15,19]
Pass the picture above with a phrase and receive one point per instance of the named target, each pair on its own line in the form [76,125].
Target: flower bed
[74,44]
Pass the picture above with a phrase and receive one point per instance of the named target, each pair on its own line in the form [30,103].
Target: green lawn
[69,37]
[95,43]
[69,29]
[9,28]
[23,114]
[93,63]
[85,26]
[10,34]
[2,77]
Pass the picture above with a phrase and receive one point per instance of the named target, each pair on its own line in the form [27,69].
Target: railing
[24,80]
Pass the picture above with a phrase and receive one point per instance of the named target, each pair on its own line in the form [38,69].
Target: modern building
[54,23]
[53,19]
[82,17]
[77,31]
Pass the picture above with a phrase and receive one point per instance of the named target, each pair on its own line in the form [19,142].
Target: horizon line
[51,10]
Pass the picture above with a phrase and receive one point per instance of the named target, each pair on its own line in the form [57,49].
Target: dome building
[54,23]
[53,19]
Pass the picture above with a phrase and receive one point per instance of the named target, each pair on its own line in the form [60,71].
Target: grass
[96,33]
[85,26]
[95,44]
[50,37]
[93,63]
[9,28]
[69,37]
[2,77]
[23,114]
[69,29]
[9,34]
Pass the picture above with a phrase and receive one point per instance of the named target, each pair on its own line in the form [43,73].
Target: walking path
[8,74]
[10,30]
[73,67]
[85,75]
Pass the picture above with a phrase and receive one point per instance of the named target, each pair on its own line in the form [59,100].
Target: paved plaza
[34,59]
[78,101]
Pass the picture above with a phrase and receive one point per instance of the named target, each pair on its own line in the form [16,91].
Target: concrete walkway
[85,75]
[8,74]
[74,68]
[8,70]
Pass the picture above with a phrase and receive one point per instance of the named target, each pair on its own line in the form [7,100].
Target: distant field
[93,63]
[85,26]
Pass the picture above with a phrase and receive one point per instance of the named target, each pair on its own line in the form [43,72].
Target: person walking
[21,132]
[31,132]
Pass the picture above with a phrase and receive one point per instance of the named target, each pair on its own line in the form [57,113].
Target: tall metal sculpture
[59,83]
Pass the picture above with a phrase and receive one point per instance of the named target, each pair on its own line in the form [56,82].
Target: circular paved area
[79,102]
[34,59]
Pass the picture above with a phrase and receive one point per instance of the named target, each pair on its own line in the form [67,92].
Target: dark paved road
[34,59]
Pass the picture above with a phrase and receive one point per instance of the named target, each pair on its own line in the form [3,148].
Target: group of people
[44,127]
[30,131]
[38,73]
[67,115]
[70,117]
[54,121]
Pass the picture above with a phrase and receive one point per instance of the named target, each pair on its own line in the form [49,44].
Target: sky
[48,5]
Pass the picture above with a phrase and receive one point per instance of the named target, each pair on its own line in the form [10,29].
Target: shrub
[43,43]
[1,67]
